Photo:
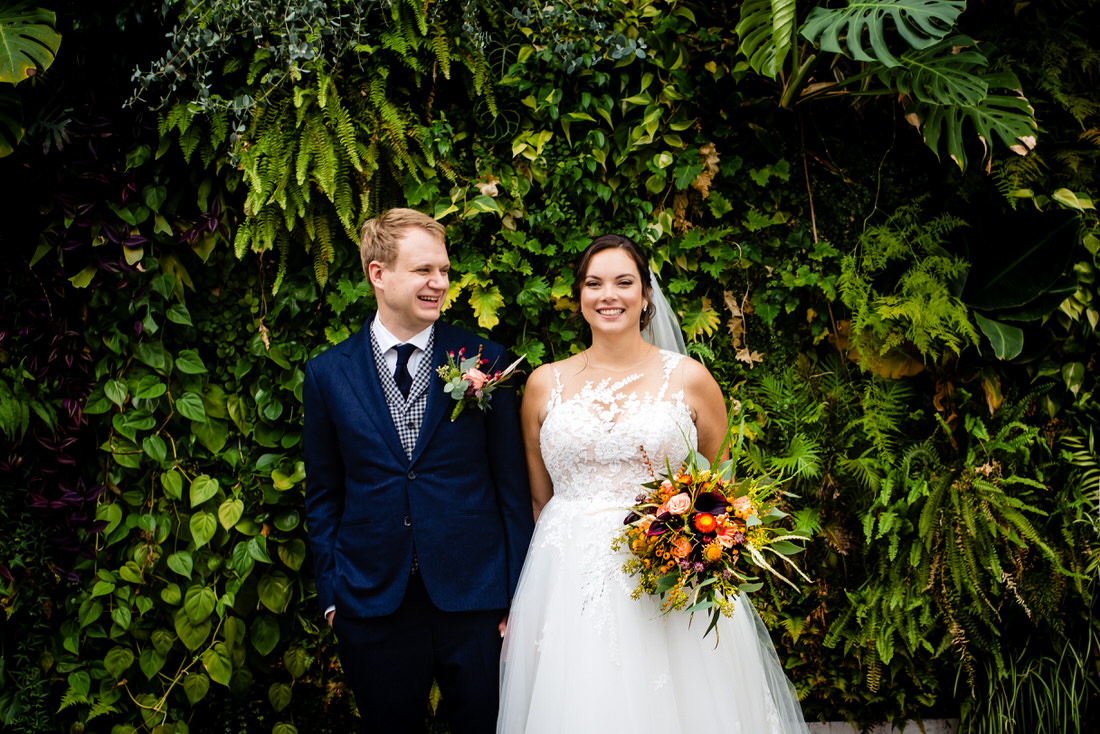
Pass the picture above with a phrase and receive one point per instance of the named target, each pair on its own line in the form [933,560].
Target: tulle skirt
[580,655]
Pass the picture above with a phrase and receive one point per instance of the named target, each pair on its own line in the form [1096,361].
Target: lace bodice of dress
[591,441]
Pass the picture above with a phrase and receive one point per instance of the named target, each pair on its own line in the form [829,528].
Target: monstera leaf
[766,30]
[920,23]
[28,41]
[948,73]
[1008,117]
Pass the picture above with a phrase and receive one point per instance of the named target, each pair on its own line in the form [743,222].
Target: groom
[418,524]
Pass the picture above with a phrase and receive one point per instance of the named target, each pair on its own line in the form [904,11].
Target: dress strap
[671,359]
[555,393]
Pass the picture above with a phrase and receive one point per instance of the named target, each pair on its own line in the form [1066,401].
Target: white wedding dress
[580,655]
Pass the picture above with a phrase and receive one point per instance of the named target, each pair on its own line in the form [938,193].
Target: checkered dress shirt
[408,413]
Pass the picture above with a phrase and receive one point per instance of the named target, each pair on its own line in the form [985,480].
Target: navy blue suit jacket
[462,499]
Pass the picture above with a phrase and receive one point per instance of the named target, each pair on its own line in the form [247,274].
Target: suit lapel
[361,371]
[438,401]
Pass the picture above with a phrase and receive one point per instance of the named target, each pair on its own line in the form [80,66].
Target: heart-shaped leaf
[203,526]
[203,487]
[218,665]
[265,634]
[230,512]
[195,686]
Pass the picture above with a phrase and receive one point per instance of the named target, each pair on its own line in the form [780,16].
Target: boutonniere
[466,382]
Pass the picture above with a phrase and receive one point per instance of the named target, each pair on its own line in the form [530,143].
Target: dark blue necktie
[401,372]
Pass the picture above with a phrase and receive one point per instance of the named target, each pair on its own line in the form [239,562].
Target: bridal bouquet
[698,536]
[467,384]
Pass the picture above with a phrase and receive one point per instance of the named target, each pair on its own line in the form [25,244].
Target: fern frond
[72,698]
[305,153]
[242,240]
[345,211]
[441,47]
[803,459]
[219,124]
[282,244]
[189,141]
[419,10]
[395,131]
[267,228]
[864,469]
[340,121]
[396,42]
[324,253]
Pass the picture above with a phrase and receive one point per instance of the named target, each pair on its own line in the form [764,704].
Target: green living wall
[875,219]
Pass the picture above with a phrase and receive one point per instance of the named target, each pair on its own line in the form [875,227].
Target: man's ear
[374,273]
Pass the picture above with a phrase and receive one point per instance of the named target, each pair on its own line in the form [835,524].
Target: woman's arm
[531,416]
[708,407]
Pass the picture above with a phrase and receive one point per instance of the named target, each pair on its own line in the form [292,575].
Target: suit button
[412,475]
[408,521]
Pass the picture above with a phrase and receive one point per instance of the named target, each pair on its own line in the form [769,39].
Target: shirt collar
[387,341]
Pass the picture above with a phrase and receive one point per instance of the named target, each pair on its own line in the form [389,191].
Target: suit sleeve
[324,485]
[509,471]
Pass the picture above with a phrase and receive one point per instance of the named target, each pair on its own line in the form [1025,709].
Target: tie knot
[404,351]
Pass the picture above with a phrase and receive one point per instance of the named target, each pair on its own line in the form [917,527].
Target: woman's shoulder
[692,373]
[549,374]
[543,376]
[681,361]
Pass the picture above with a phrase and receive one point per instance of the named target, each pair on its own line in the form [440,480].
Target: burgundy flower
[712,503]
[657,527]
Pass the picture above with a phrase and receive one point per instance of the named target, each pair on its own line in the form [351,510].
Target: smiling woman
[579,644]
[613,266]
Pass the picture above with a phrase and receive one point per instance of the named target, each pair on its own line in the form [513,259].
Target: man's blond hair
[378,237]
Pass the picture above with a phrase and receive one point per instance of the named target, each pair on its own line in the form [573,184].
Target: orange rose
[681,547]
[679,504]
[712,552]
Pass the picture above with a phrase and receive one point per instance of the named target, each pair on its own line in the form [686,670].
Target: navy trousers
[390,661]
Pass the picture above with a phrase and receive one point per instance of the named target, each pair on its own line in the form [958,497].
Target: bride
[580,655]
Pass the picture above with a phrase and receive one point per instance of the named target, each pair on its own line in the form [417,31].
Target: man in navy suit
[418,524]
